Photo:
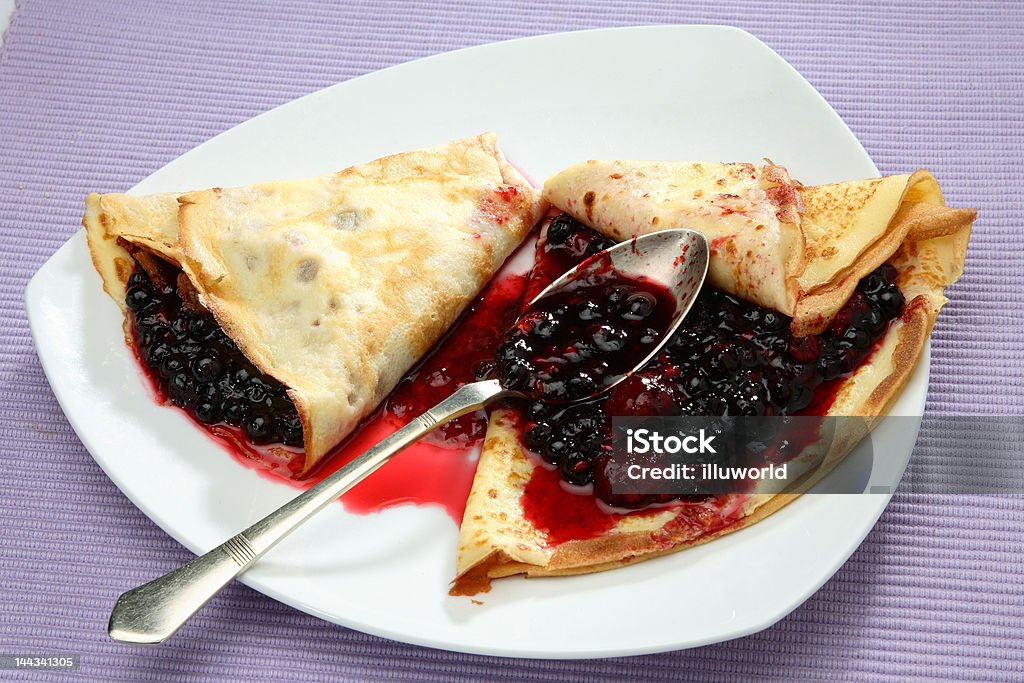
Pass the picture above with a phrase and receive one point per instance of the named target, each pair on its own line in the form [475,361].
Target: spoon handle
[154,611]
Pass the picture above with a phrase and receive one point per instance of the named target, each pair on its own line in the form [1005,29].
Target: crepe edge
[107,218]
[921,214]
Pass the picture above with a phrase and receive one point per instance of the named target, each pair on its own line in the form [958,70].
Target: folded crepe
[334,285]
[797,250]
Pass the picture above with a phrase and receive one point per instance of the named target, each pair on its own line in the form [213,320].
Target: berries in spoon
[585,336]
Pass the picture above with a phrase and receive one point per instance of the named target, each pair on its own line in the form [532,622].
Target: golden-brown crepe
[798,250]
[334,285]
[847,230]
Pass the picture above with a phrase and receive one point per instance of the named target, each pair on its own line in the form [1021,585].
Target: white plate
[679,92]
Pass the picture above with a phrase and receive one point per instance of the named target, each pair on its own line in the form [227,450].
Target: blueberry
[217,337]
[560,228]
[553,390]
[171,366]
[609,338]
[600,244]
[650,336]
[199,328]
[259,428]
[515,375]
[617,294]
[568,429]
[554,450]
[180,326]
[537,436]
[209,392]
[236,409]
[890,301]
[872,284]
[857,338]
[746,355]
[291,430]
[589,311]
[515,348]
[799,372]
[682,341]
[206,368]
[190,349]
[748,399]
[181,389]
[546,327]
[874,322]
[580,351]
[713,404]
[774,344]
[773,322]
[694,381]
[723,359]
[829,367]
[483,369]
[576,469]
[256,392]
[138,296]
[805,349]
[148,321]
[589,417]
[157,353]
[241,376]
[207,412]
[580,385]
[164,333]
[638,306]
[591,442]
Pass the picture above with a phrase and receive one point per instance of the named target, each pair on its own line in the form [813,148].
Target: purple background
[95,96]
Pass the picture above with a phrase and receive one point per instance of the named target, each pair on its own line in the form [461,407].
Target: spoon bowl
[676,260]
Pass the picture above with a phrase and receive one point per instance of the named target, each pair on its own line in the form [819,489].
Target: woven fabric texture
[97,95]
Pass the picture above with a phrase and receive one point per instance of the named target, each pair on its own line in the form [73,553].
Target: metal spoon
[153,612]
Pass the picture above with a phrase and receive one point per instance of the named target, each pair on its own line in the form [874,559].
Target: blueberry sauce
[729,357]
[584,337]
[566,245]
[198,367]
[464,355]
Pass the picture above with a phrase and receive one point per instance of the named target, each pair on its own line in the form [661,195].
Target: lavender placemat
[95,96]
